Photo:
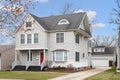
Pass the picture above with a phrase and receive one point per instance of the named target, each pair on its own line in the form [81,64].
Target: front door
[41,57]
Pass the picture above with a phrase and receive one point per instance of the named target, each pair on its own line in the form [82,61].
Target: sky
[99,12]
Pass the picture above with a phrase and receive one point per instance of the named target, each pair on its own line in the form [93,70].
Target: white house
[103,56]
[52,41]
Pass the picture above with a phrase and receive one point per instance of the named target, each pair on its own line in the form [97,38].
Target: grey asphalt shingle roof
[108,51]
[50,23]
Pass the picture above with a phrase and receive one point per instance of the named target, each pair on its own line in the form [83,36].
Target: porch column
[44,54]
[29,57]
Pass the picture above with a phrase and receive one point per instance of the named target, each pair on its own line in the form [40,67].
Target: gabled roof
[51,23]
[108,51]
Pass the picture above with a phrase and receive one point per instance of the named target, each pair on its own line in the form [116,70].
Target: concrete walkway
[11,79]
[82,75]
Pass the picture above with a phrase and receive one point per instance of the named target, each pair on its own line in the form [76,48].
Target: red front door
[41,57]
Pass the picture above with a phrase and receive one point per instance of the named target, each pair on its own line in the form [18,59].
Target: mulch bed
[68,70]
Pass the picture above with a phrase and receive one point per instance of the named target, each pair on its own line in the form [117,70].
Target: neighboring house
[7,56]
[52,41]
[103,56]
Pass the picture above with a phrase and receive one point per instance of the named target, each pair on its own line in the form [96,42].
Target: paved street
[82,75]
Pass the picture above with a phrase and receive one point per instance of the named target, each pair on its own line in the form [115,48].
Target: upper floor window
[60,56]
[63,21]
[77,38]
[22,39]
[28,24]
[35,38]
[59,37]
[77,56]
[29,38]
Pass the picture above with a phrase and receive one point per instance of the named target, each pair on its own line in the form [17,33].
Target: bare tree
[116,18]
[104,41]
[11,13]
[67,8]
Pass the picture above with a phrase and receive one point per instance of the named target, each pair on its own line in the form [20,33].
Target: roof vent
[63,21]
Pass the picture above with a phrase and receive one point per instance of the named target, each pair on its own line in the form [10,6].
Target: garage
[100,62]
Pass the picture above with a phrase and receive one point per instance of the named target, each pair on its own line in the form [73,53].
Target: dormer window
[28,24]
[63,21]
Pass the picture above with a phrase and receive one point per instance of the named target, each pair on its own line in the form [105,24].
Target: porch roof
[31,48]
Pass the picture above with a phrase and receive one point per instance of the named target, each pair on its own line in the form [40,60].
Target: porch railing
[43,64]
[15,63]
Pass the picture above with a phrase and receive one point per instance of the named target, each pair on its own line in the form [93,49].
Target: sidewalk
[82,75]
[11,79]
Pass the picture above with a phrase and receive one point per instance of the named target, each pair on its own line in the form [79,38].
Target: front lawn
[107,75]
[28,75]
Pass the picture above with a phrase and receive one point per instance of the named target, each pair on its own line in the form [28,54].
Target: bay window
[60,56]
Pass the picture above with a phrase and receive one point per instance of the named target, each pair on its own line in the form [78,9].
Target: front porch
[30,60]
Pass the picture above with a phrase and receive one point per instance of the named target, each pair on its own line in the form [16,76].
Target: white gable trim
[82,22]
[28,15]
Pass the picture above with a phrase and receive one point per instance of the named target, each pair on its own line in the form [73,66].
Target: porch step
[34,68]
[19,68]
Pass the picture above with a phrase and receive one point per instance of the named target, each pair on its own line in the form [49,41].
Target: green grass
[107,75]
[28,75]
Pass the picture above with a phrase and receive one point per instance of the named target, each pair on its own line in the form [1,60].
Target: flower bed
[66,70]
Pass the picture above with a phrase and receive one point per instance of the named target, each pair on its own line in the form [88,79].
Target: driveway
[82,75]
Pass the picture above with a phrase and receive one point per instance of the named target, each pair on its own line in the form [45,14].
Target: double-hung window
[35,38]
[22,39]
[59,37]
[77,56]
[29,38]
[60,56]
[77,38]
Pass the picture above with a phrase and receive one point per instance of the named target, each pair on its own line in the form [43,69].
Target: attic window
[28,24]
[63,21]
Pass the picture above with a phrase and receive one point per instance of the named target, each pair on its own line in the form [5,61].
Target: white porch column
[29,57]
[44,54]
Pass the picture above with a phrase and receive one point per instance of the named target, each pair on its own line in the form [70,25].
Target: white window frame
[77,56]
[59,38]
[63,21]
[63,56]
[77,38]
[36,38]
[28,24]
[21,39]
[30,39]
